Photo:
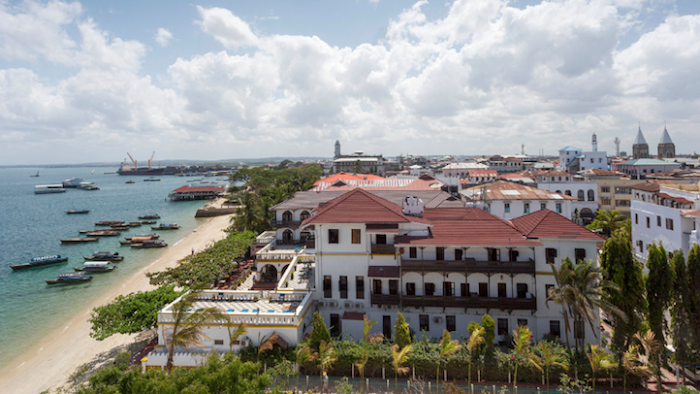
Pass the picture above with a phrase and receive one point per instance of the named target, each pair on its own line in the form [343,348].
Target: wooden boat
[104,256]
[86,231]
[134,224]
[152,179]
[124,242]
[77,211]
[166,226]
[147,244]
[78,240]
[120,228]
[110,223]
[148,221]
[104,233]
[150,216]
[143,236]
[69,278]
[96,266]
[41,261]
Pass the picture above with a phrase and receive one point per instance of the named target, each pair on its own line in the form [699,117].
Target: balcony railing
[469,266]
[383,249]
[471,302]
[287,223]
[385,299]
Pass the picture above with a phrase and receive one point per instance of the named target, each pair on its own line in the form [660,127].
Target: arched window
[287,216]
[559,191]
[581,195]
[568,192]
[591,195]
[288,236]
[304,215]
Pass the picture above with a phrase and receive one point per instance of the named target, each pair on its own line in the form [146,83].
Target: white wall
[517,207]
[670,239]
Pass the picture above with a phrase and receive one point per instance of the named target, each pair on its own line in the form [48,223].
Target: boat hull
[103,258]
[78,240]
[78,212]
[68,282]
[95,270]
[38,264]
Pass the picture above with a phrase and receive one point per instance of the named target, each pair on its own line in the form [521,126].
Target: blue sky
[233,79]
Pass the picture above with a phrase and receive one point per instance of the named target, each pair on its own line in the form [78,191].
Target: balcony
[471,302]
[385,299]
[469,266]
[286,223]
[383,249]
[310,244]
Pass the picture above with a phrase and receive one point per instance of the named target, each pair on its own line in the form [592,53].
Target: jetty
[218,207]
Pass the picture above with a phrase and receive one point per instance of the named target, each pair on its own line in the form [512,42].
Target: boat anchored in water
[166,226]
[150,216]
[103,233]
[35,176]
[72,182]
[49,189]
[41,261]
[96,266]
[152,179]
[130,181]
[77,211]
[110,222]
[147,244]
[104,256]
[69,278]
[143,236]
[78,240]
[87,186]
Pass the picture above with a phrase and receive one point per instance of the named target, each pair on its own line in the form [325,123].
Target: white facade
[585,190]
[461,170]
[590,160]
[511,209]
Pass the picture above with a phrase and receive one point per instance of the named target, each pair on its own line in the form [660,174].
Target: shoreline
[57,355]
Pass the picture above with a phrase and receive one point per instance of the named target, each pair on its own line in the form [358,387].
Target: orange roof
[547,224]
[348,177]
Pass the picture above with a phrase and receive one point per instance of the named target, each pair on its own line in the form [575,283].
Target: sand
[50,362]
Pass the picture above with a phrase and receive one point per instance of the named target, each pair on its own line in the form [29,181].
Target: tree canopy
[659,286]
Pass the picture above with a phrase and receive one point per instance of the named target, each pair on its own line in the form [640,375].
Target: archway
[288,236]
[591,195]
[581,195]
[304,215]
[587,216]
[568,192]
[268,273]
[287,216]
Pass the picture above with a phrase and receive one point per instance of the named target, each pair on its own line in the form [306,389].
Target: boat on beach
[166,226]
[78,240]
[96,266]
[147,244]
[41,261]
[150,216]
[104,256]
[69,278]
[49,189]
[109,222]
[77,211]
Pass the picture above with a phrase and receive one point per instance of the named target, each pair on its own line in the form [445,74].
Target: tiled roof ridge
[532,215]
[321,210]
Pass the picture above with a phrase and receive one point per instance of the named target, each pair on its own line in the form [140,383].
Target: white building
[573,160]
[461,170]
[509,200]
[585,191]
[666,214]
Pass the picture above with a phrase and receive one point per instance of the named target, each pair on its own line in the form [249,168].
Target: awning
[383,271]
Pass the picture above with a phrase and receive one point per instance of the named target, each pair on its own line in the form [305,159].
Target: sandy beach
[50,362]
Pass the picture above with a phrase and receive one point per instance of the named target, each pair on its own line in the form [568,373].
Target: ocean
[31,226]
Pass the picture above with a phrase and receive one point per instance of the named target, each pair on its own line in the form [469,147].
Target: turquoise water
[31,225]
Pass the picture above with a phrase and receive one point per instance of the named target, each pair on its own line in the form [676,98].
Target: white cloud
[231,31]
[163,37]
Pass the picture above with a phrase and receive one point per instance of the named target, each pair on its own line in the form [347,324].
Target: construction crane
[151,159]
[136,165]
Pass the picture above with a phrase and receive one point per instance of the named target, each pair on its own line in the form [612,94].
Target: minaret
[640,148]
[666,147]
[337,149]
[617,147]
[595,143]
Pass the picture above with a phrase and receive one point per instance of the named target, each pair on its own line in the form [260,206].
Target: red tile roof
[548,224]
[691,213]
[504,190]
[483,173]
[359,206]
[348,177]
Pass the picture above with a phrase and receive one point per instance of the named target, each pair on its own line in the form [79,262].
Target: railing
[385,299]
[383,249]
[470,302]
[282,283]
[287,223]
[469,265]
[310,244]
[266,237]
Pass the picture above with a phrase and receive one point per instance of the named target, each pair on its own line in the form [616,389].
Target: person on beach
[192,251]
[325,383]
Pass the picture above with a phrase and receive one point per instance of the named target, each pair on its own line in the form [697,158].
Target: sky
[90,81]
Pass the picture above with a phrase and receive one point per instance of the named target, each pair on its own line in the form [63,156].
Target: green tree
[653,349]
[600,361]
[659,286]
[367,341]
[632,363]
[552,355]
[131,313]
[319,332]
[402,334]
[234,334]
[326,357]
[609,221]
[476,338]
[446,348]
[489,326]
[620,267]
[399,358]
[681,325]
[693,303]
[522,339]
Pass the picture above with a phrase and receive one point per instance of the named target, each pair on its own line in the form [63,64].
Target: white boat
[87,186]
[48,189]
[72,182]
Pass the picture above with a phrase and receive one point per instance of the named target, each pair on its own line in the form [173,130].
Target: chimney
[412,206]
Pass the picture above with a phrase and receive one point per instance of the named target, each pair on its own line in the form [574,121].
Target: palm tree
[632,363]
[367,340]
[326,357]
[562,293]
[552,356]
[447,347]
[399,358]
[475,340]
[653,348]
[187,325]
[600,361]
[233,335]
[609,221]
[267,344]
[522,338]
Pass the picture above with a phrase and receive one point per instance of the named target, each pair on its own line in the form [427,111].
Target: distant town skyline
[90,81]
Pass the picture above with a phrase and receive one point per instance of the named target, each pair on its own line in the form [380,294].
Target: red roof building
[196,192]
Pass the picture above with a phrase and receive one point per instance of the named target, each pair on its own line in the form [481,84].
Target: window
[513,255]
[356,239]
[658,221]
[343,286]
[304,215]
[377,286]
[558,207]
[526,207]
[410,288]
[483,289]
[386,326]
[648,222]
[502,326]
[547,289]
[669,224]
[218,342]
[622,203]
[393,287]
[636,219]
[381,239]
[327,287]
[502,290]
[551,255]
[464,289]
[605,200]
[543,205]
[581,195]
[622,190]
[580,254]
[333,236]
[494,254]
[335,328]
[451,323]
[439,253]
[448,289]
[522,322]
[507,207]
[458,254]
[567,192]
[522,290]
[430,289]
[640,244]
[360,287]
[424,322]
[605,189]
[555,328]
[413,252]
[591,195]
[592,160]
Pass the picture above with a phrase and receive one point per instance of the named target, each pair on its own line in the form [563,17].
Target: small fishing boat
[69,278]
[104,256]
[41,261]
[96,266]
[130,181]
[166,226]
[49,189]
[148,221]
[150,216]
[122,243]
[120,228]
[147,244]
[110,223]
[35,176]
[151,179]
[103,233]
[78,240]
[77,211]
[134,224]
[143,236]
